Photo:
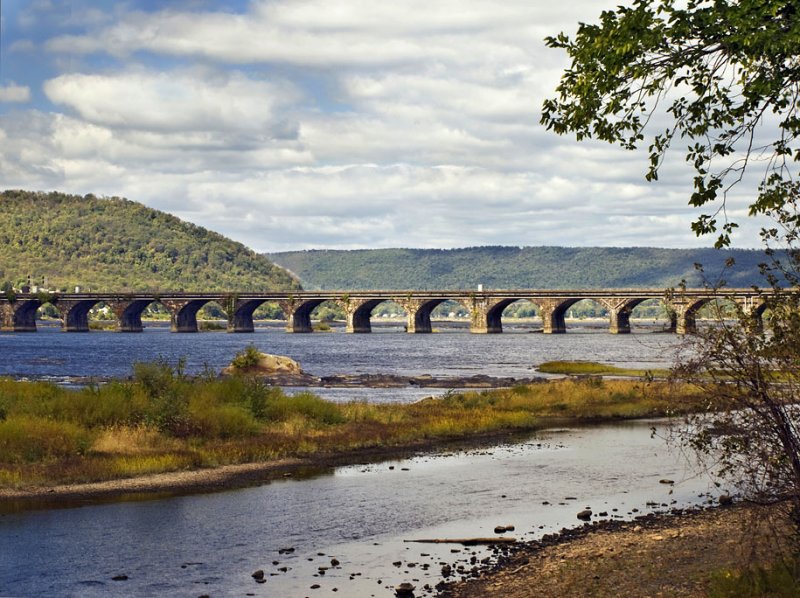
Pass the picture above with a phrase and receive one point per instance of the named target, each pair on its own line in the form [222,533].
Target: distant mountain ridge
[520,267]
[114,244]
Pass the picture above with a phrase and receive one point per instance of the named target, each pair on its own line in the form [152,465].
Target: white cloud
[176,101]
[12,93]
[310,123]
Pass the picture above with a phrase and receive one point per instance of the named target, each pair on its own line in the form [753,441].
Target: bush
[248,357]
[30,439]
[305,404]
[166,391]
[210,419]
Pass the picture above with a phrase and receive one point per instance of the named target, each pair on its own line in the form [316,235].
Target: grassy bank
[599,369]
[161,420]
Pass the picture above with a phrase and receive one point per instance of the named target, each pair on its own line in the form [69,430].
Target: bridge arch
[655,310]
[494,314]
[359,313]
[129,313]
[240,314]
[74,314]
[554,312]
[298,315]
[101,317]
[211,314]
[183,312]
[419,314]
[22,316]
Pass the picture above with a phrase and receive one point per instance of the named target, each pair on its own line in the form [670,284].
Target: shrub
[306,404]
[212,419]
[30,439]
[248,357]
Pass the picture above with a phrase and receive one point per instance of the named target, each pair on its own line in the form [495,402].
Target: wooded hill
[114,244]
[519,267]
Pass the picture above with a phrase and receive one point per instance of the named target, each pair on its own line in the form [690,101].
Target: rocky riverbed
[279,370]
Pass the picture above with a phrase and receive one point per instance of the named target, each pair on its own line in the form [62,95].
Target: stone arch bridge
[18,313]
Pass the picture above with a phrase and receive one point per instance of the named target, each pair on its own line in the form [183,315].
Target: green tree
[717,70]
[725,74]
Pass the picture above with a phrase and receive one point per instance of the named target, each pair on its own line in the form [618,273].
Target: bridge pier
[619,314]
[75,314]
[6,316]
[20,316]
[183,314]
[129,313]
[619,321]
[418,314]
[358,312]
[484,319]
[754,308]
[240,313]
[298,314]
[553,315]
[684,313]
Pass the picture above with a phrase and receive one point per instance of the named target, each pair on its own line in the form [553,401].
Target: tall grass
[161,420]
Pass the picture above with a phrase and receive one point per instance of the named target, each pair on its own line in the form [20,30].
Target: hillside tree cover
[114,244]
[519,267]
[725,75]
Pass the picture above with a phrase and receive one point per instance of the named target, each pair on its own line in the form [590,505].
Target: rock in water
[586,514]
[276,369]
[405,590]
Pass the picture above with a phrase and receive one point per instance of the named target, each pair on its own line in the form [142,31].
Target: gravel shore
[662,555]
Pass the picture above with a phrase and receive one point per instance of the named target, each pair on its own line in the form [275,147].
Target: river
[359,515]
[52,354]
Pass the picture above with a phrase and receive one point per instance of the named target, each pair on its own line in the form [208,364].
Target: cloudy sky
[323,123]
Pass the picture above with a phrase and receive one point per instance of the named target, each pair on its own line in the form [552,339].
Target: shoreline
[232,477]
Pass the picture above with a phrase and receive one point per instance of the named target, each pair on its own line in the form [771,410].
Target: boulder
[276,369]
[585,515]
[404,589]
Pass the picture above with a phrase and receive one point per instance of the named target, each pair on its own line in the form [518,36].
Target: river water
[52,354]
[359,515]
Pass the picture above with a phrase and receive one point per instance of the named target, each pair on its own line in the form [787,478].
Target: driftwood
[465,541]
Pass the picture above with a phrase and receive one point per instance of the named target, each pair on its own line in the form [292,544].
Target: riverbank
[679,555]
[161,422]
[228,477]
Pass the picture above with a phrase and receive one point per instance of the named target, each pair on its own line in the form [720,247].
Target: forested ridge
[520,267]
[113,244]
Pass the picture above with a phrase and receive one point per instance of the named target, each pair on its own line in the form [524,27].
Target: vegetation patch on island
[598,369]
